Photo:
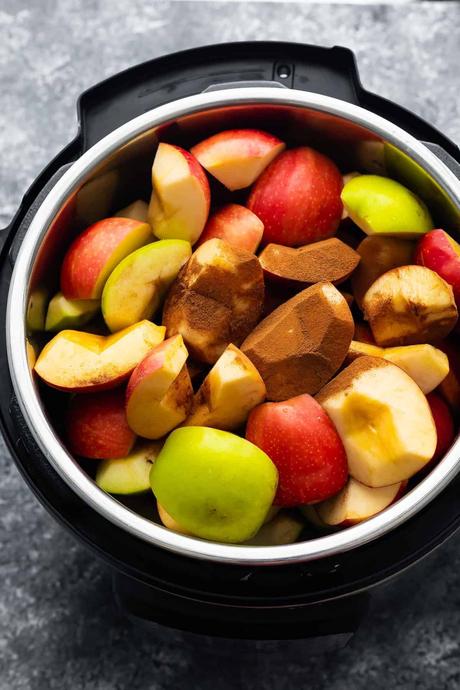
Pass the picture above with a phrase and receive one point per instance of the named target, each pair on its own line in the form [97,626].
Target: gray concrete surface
[58,624]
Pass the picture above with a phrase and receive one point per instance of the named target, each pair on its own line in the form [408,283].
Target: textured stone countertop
[58,624]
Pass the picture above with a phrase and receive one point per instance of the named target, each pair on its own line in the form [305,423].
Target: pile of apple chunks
[257,370]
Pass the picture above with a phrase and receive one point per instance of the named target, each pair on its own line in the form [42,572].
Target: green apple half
[382,206]
[137,285]
[69,313]
[128,475]
[215,484]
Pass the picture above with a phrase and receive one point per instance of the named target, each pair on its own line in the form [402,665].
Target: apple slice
[96,426]
[130,474]
[138,210]
[180,201]
[450,386]
[31,350]
[77,361]
[301,344]
[378,255]
[444,423]
[36,309]
[440,252]
[217,299]
[357,502]
[228,393]
[235,224]
[358,349]
[284,528]
[237,157]
[381,206]
[69,313]
[409,305]
[159,393]
[383,419]
[137,286]
[93,255]
[330,260]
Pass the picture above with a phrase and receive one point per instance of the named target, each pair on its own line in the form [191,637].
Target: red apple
[237,157]
[93,255]
[444,425]
[450,386]
[235,224]
[298,198]
[302,442]
[440,252]
[96,426]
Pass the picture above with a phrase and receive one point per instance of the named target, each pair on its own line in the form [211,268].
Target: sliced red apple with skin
[444,423]
[235,224]
[229,392]
[357,502]
[96,425]
[180,201]
[93,255]
[440,252]
[159,393]
[138,210]
[237,157]
[130,474]
[383,419]
[78,361]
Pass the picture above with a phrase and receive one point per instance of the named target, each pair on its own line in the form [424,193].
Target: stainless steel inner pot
[117,170]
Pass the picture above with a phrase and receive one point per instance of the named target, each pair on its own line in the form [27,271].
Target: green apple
[381,206]
[36,309]
[216,485]
[136,287]
[69,313]
[284,528]
[129,475]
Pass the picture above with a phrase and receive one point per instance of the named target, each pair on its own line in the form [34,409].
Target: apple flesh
[214,484]
[237,157]
[69,313]
[137,286]
[440,252]
[378,255]
[76,361]
[381,206]
[180,201]
[444,423]
[216,300]
[284,528]
[409,305]
[93,255]
[130,474]
[235,224]
[383,419]
[450,386]
[96,426]
[228,393]
[301,440]
[159,393]
[36,310]
[357,502]
[138,210]
[297,198]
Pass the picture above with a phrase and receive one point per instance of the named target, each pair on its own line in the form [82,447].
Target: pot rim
[26,392]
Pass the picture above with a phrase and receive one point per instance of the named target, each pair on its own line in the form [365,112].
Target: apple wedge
[180,201]
[409,305]
[217,299]
[138,210]
[77,361]
[383,419]
[444,423]
[450,386]
[137,286]
[36,310]
[357,502]
[237,157]
[130,474]
[69,313]
[235,224]
[228,393]
[284,528]
[93,255]
[159,393]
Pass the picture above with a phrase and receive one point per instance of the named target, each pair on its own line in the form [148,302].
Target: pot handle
[320,626]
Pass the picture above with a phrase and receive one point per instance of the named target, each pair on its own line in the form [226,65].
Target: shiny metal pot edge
[68,468]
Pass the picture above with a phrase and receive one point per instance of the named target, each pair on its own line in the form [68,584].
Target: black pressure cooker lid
[103,108]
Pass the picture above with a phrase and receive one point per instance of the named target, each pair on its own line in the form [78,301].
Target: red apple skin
[197,171]
[151,363]
[437,250]
[235,224]
[302,442]
[298,198]
[444,426]
[96,426]
[88,254]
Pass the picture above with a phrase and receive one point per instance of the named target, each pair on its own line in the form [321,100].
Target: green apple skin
[381,206]
[69,313]
[36,310]
[215,484]
[136,287]
[130,475]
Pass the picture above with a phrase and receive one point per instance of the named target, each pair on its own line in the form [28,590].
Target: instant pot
[317,588]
